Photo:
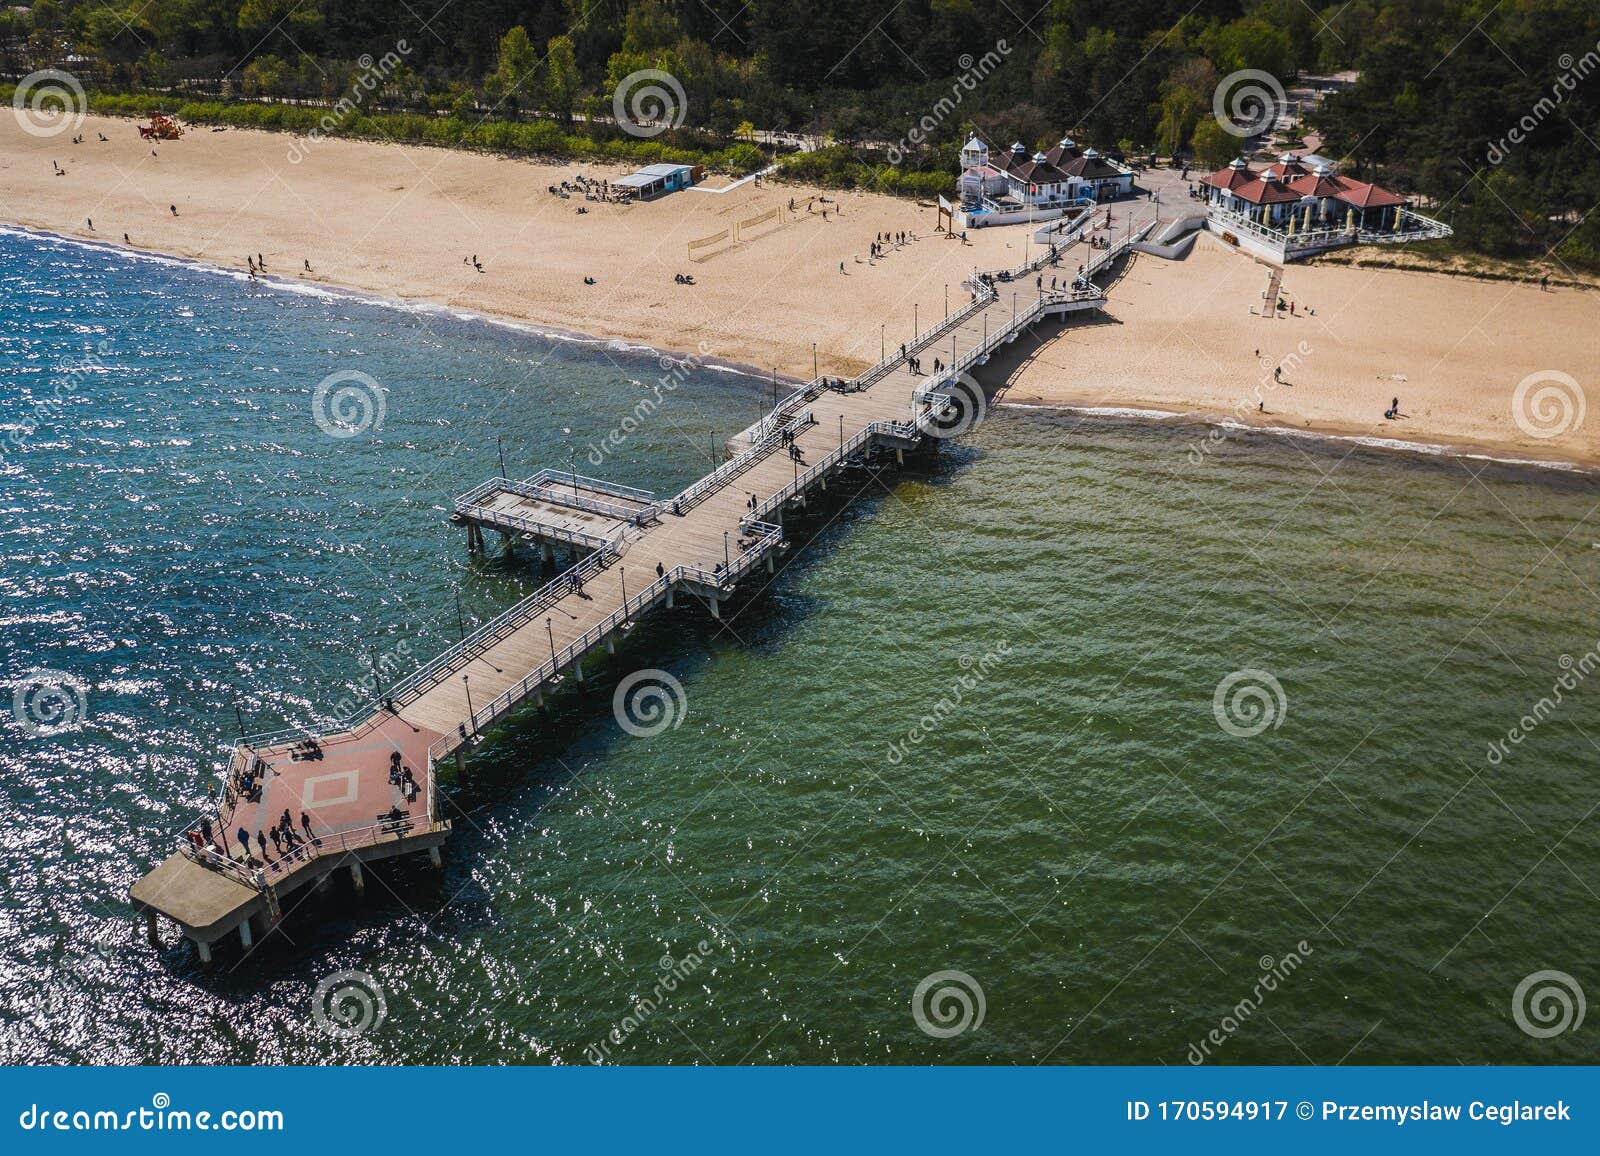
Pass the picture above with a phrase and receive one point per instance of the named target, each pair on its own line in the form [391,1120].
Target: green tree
[515,70]
[562,79]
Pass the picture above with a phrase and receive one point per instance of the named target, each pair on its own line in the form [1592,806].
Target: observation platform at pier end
[333,797]
[555,509]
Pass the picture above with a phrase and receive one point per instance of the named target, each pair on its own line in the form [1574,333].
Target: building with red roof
[1294,207]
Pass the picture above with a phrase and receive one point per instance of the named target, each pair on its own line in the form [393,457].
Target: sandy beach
[1185,336]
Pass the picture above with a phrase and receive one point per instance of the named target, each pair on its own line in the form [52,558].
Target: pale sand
[398,221]
[1179,336]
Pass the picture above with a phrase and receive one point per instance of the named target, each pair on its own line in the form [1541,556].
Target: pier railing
[424,679]
[767,538]
[547,486]
[504,520]
[733,467]
[560,480]
[259,874]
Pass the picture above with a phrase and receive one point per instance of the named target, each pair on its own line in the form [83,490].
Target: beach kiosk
[656,180]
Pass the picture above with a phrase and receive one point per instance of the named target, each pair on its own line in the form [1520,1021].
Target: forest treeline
[1490,112]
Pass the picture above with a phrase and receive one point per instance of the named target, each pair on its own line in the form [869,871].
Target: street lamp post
[500,442]
[727,564]
[550,631]
[814,374]
[472,715]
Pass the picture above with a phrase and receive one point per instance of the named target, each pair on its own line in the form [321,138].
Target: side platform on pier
[300,804]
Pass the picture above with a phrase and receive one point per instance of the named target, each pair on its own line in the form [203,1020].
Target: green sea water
[1072,744]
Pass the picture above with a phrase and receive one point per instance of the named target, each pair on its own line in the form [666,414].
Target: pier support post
[322,882]
[577,668]
[769,562]
[669,598]
[435,859]
[538,698]
[716,610]
[244,934]
[357,878]
[204,950]
[899,457]
[547,554]
[611,644]
[461,765]
[152,933]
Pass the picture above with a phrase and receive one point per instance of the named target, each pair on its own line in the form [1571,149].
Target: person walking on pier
[244,843]
[310,834]
[262,840]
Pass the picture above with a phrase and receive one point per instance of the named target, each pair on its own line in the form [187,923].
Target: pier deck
[641,553]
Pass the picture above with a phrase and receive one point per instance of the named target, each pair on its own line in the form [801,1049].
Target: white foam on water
[1369,441]
[423,308]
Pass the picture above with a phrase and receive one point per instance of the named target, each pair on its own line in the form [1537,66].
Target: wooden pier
[364,789]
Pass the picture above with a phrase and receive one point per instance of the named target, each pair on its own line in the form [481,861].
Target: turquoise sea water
[971,728]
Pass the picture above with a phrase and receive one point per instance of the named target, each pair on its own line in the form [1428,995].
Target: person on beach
[307,264]
[174,209]
[125,240]
[1277,373]
[91,223]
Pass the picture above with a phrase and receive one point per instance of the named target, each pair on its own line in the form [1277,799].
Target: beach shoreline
[406,226]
